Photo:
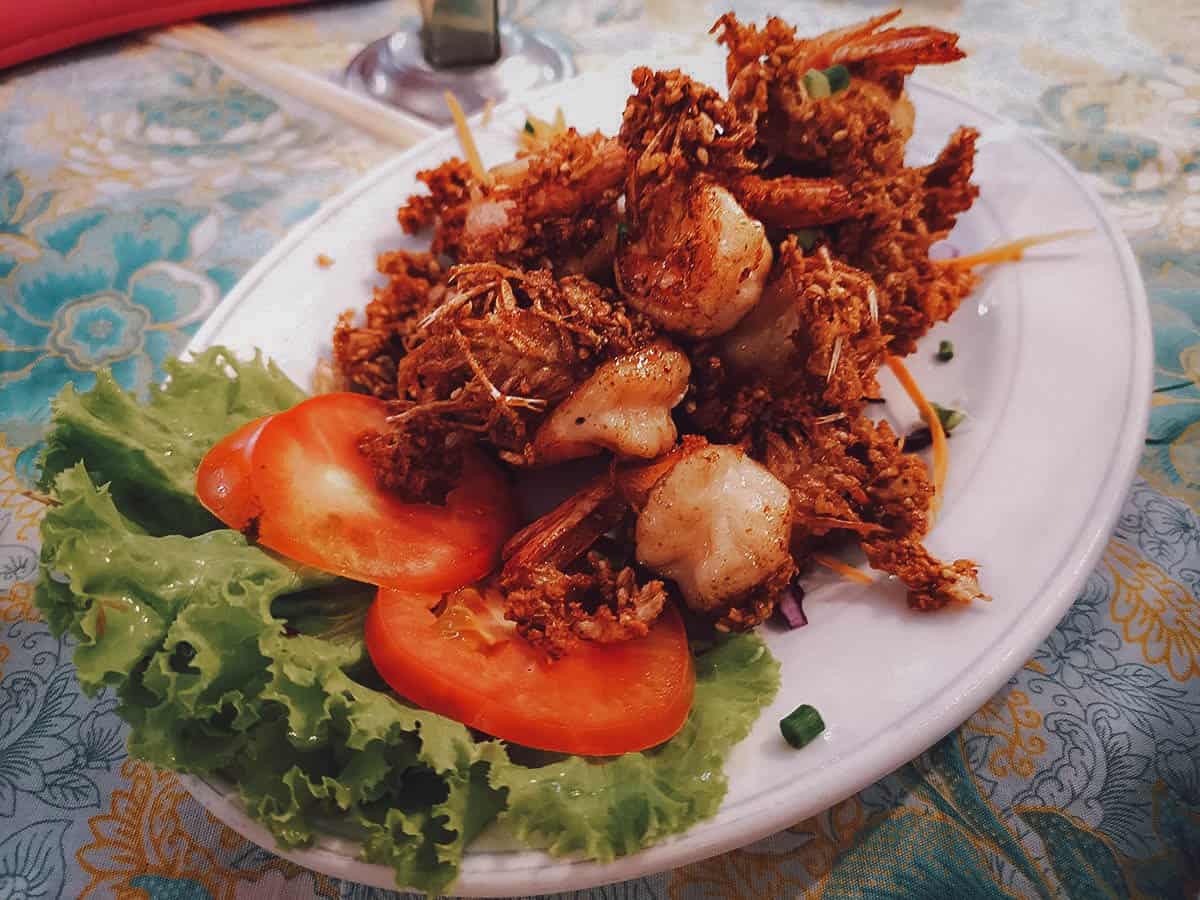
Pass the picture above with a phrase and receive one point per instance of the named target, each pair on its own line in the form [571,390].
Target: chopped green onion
[801,725]
[807,238]
[816,84]
[622,230]
[945,351]
[529,129]
[838,77]
[950,418]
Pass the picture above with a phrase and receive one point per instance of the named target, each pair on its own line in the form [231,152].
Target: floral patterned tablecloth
[138,182]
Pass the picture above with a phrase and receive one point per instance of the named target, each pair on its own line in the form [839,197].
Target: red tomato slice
[302,484]
[470,664]
[321,504]
[223,478]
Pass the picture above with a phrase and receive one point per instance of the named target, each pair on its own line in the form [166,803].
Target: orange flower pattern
[156,834]
[19,517]
[19,511]
[1010,717]
[1155,611]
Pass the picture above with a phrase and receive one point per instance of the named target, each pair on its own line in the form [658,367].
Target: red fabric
[33,28]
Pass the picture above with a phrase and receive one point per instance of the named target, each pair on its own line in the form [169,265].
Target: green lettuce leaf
[622,805]
[212,681]
[148,452]
[119,590]
[230,662]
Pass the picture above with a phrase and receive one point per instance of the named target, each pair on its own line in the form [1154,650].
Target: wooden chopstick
[374,118]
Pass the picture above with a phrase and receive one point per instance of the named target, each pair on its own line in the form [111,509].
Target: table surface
[137,184]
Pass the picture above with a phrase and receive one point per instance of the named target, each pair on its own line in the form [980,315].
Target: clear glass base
[394,71]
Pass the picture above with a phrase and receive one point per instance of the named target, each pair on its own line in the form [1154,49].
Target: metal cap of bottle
[460,32]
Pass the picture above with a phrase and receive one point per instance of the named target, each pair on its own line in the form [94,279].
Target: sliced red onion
[943,250]
[790,606]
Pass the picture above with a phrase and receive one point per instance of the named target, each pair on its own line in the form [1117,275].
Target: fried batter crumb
[481,351]
[553,207]
[595,601]
[422,465]
[854,478]
[367,354]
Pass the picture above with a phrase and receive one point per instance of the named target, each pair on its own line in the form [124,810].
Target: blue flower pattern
[55,744]
[125,275]
[211,119]
[106,291]
[32,863]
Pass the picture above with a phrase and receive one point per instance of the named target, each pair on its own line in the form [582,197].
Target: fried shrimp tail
[559,589]
[861,129]
[566,532]
[898,48]
[789,202]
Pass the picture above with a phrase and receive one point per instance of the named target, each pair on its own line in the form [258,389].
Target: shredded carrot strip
[848,572]
[540,132]
[1013,251]
[467,139]
[541,128]
[941,453]
[543,131]
[488,109]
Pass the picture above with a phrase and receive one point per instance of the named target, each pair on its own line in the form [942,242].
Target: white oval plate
[1053,365]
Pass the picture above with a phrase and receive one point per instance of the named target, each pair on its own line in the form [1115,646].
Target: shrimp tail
[594,171]
[862,42]
[790,202]
[948,187]
[840,38]
[895,48]
[566,532]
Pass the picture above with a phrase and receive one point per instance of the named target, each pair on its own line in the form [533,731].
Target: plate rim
[870,762]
